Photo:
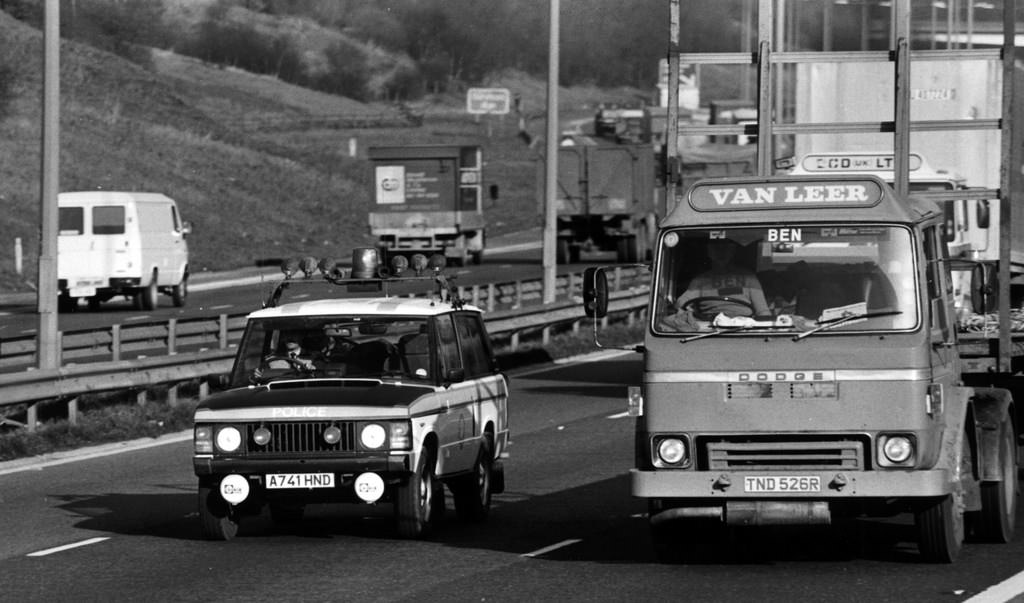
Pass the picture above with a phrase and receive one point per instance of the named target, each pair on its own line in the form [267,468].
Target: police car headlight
[261,436]
[332,435]
[672,450]
[203,439]
[896,449]
[228,439]
[373,436]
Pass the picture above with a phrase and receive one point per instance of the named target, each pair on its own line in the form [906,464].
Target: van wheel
[150,294]
[179,293]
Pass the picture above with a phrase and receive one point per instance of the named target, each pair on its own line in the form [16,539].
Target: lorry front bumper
[831,484]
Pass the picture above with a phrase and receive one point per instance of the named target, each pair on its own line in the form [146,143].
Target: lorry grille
[300,437]
[784,453]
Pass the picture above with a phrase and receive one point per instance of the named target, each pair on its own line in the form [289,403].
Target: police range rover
[380,399]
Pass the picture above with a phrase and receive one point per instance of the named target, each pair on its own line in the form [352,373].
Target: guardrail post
[223,336]
[204,389]
[545,335]
[513,342]
[140,397]
[490,297]
[73,411]
[519,294]
[476,295]
[618,279]
[32,418]
[115,342]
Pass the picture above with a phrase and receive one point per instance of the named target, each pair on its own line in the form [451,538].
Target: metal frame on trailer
[768,55]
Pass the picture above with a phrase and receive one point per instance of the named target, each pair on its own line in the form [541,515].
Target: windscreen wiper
[839,320]
[736,329]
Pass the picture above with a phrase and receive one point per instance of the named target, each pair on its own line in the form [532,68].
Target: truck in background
[850,390]
[606,200]
[429,199]
[120,243]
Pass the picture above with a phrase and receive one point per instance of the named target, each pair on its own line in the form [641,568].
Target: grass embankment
[118,418]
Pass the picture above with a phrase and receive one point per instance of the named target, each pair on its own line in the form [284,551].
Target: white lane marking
[73,545]
[592,357]
[222,307]
[553,547]
[620,415]
[140,317]
[1004,591]
[73,456]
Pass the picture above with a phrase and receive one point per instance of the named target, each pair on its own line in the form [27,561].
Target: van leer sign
[785,195]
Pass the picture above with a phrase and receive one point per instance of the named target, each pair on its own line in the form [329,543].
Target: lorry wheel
[66,303]
[414,500]
[997,519]
[179,293]
[940,525]
[150,294]
[218,519]
[94,303]
[472,492]
[626,250]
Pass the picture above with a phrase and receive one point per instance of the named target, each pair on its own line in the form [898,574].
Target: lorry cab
[816,378]
[120,243]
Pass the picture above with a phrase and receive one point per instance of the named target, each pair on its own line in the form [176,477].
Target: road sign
[488,100]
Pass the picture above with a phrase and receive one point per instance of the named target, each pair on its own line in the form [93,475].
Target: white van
[118,243]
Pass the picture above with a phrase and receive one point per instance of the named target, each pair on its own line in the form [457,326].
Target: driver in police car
[723,282]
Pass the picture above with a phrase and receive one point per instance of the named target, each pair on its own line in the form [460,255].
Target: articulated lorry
[428,199]
[606,200]
[804,361]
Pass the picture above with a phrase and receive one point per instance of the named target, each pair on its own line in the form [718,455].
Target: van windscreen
[70,221]
[108,219]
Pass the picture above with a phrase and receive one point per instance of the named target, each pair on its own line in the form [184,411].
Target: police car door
[455,427]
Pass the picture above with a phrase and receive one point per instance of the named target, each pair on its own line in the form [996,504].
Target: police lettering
[296,412]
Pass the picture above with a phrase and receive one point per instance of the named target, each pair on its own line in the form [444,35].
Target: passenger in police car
[725,288]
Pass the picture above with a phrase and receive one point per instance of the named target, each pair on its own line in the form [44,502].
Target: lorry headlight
[895,450]
[373,436]
[228,439]
[671,450]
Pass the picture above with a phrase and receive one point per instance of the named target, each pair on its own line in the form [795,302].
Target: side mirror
[186,228]
[492,192]
[984,288]
[456,375]
[982,214]
[595,293]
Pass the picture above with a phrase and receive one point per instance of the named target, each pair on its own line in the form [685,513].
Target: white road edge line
[73,545]
[553,547]
[619,415]
[73,456]
[1004,591]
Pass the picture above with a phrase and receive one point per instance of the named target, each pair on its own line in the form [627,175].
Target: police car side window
[474,348]
[449,345]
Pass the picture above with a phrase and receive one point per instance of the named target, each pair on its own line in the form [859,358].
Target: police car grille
[301,437]
[776,453]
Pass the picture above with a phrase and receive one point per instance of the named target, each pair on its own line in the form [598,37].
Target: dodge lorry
[803,359]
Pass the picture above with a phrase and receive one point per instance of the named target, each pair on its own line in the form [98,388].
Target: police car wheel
[414,500]
[218,519]
[472,493]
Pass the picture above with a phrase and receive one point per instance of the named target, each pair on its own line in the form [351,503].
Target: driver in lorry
[725,288]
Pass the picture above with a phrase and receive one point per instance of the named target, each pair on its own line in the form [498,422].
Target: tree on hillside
[347,73]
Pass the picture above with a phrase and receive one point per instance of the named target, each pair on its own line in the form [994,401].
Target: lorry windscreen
[781,280]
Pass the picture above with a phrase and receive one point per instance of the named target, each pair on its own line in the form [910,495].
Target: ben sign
[488,100]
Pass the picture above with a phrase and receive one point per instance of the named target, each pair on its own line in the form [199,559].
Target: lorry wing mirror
[186,228]
[982,213]
[984,288]
[492,192]
[595,293]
